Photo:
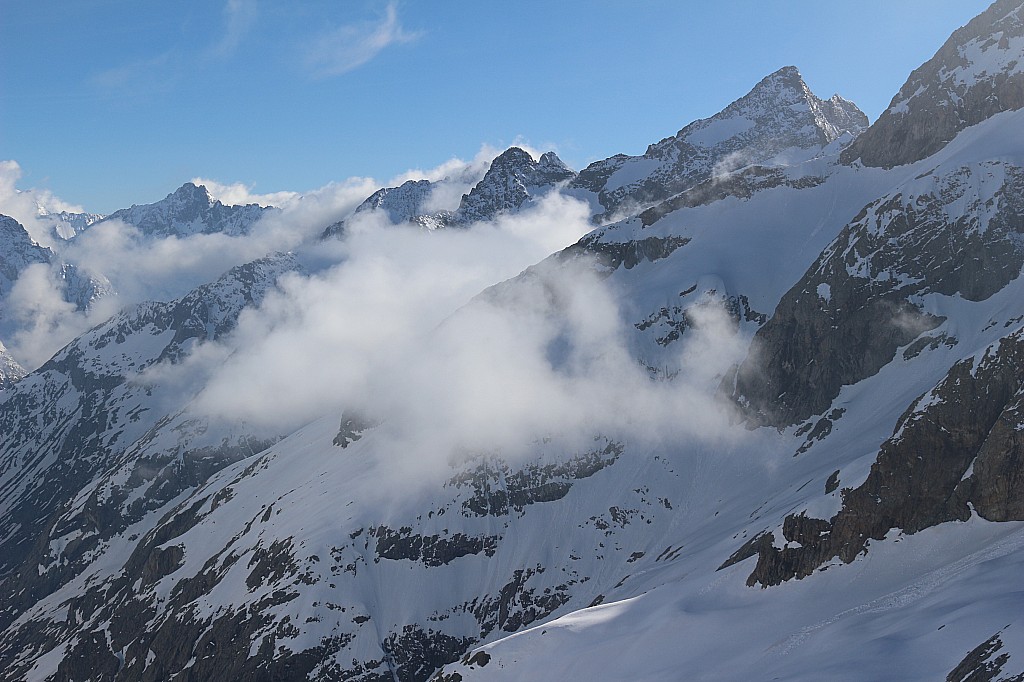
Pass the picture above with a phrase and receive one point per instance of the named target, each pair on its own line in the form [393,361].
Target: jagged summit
[67,224]
[781,104]
[191,192]
[190,210]
[976,74]
[402,204]
[513,179]
[778,119]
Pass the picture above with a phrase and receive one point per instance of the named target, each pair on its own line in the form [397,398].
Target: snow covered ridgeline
[976,74]
[190,210]
[513,182]
[231,571]
[780,121]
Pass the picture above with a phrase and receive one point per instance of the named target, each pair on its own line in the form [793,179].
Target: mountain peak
[192,192]
[783,100]
[513,157]
[786,77]
[190,209]
[513,179]
[779,121]
[549,161]
[977,73]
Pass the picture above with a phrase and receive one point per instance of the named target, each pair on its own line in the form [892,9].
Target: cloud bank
[396,331]
[240,194]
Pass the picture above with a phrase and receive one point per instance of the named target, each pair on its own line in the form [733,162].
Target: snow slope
[667,510]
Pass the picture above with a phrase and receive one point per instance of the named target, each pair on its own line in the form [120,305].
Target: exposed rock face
[107,456]
[960,444]
[512,182]
[402,204]
[10,370]
[627,254]
[780,116]
[19,252]
[958,233]
[513,179]
[984,663]
[977,73]
[189,210]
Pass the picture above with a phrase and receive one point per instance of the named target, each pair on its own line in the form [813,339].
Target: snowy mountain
[975,75]
[19,252]
[10,370]
[114,450]
[513,182]
[779,120]
[67,225]
[778,433]
[190,210]
[401,204]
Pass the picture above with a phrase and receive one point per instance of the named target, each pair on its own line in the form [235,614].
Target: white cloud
[43,321]
[30,206]
[396,330]
[237,193]
[730,163]
[142,268]
[350,46]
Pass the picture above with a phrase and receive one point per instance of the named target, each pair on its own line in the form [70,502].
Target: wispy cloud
[155,73]
[162,72]
[239,16]
[350,46]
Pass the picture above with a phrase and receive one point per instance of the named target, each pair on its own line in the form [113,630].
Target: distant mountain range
[842,498]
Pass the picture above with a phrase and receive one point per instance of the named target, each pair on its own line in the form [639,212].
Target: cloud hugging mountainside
[749,405]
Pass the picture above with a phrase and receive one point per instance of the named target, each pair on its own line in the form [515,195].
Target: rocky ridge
[513,181]
[595,554]
[189,210]
[18,252]
[976,74]
[780,116]
[116,448]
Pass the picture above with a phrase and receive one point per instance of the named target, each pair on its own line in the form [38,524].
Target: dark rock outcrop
[976,74]
[956,448]
[848,315]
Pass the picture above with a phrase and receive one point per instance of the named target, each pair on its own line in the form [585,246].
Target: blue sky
[112,102]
